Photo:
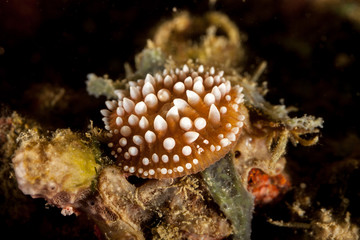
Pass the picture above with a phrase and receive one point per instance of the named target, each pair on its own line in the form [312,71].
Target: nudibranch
[174,123]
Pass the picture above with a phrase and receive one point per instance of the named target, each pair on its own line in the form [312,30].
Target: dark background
[313,64]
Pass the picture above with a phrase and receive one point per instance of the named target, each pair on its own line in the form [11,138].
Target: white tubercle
[169,143]
[180,169]
[140,108]
[133,151]
[209,82]
[165,158]
[186,150]
[179,88]
[212,70]
[188,165]
[150,137]
[224,142]
[209,99]
[199,87]
[201,69]
[119,93]
[122,142]
[150,79]
[190,137]
[164,95]
[180,103]
[151,101]
[198,79]
[231,136]
[125,131]
[222,89]
[119,121]
[135,93]
[111,105]
[228,86]
[185,123]
[223,110]
[138,140]
[105,112]
[155,158]
[163,171]
[186,68]
[173,113]
[200,123]
[128,105]
[160,125]
[168,81]
[176,158]
[214,115]
[188,82]
[143,123]
[145,161]
[131,169]
[147,89]
[192,97]
[133,120]
[120,111]
[216,92]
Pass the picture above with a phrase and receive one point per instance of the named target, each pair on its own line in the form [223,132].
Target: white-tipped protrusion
[105,120]
[186,68]
[173,113]
[209,99]
[231,136]
[110,145]
[126,168]
[119,121]
[221,73]
[119,93]
[179,88]
[212,70]
[147,89]
[125,131]
[168,81]
[180,103]
[135,93]
[133,120]
[143,123]
[200,123]
[186,150]
[217,80]
[164,95]
[140,108]
[222,89]
[217,148]
[107,127]
[228,125]
[133,151]
[199,87]
[123,141]
[169,143]
[215,90]
[150,79]
[198,79]
[192,97]
[228,98]
[128,105]
[140,170]
[165,158]
[188,165]
[201,69]
[160,125]
[185,123]
[111,105]
[176,158]
[119,150]
[138,140]
[209,82]
[191,137]
[151,171]
[145,161]
[151,101]
[146,173]
[105,112]
[150,137]
[188,82]
[225,142]
[163,171]
[242,117]
[228,86]
[214,115]
[180,169]
[120,111]
[155,158]
[223,110]
[235,130]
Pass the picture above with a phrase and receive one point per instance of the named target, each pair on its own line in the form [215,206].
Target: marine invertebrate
[175,123]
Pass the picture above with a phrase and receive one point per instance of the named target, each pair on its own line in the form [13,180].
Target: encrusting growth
[175,123]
